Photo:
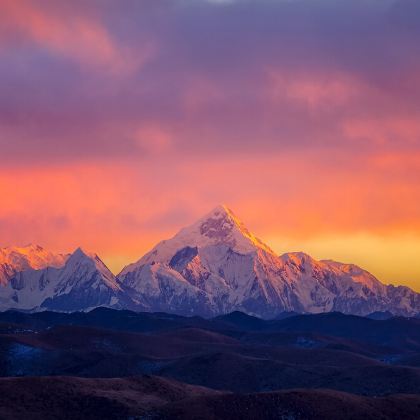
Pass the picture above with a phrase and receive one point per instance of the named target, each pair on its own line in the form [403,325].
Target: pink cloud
[313,89]
[153,139]
[122,121]
[77,37]
[393,130]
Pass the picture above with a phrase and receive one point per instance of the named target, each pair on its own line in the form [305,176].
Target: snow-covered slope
[216,266]
[15,259]
[332,286]
[219,227]
[205,269]
[82,283]
[212,267]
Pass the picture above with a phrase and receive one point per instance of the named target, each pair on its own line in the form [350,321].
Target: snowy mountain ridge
[82,282]
[212,267]
[220,226]
[217,266]
[15,259]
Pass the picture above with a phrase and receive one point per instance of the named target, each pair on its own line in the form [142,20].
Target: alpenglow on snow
[212,267]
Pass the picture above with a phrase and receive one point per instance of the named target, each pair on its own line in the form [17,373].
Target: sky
[122,121]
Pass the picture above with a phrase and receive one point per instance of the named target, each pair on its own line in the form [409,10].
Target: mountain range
[215,266]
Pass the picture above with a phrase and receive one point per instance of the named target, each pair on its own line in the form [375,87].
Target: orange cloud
[401,161]
[122,209]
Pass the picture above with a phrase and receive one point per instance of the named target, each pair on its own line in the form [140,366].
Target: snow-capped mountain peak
[217,265]
[15,259]
[220,227]
[82,255]
[31,256]
[90,262]
[83,282]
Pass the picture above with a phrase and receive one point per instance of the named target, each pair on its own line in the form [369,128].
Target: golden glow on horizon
[114,210]
[102,147]
[393,259]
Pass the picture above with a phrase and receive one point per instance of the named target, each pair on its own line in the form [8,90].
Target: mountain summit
[76,282]
[15,259]
[217,266]
[220,227]
[212,267]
